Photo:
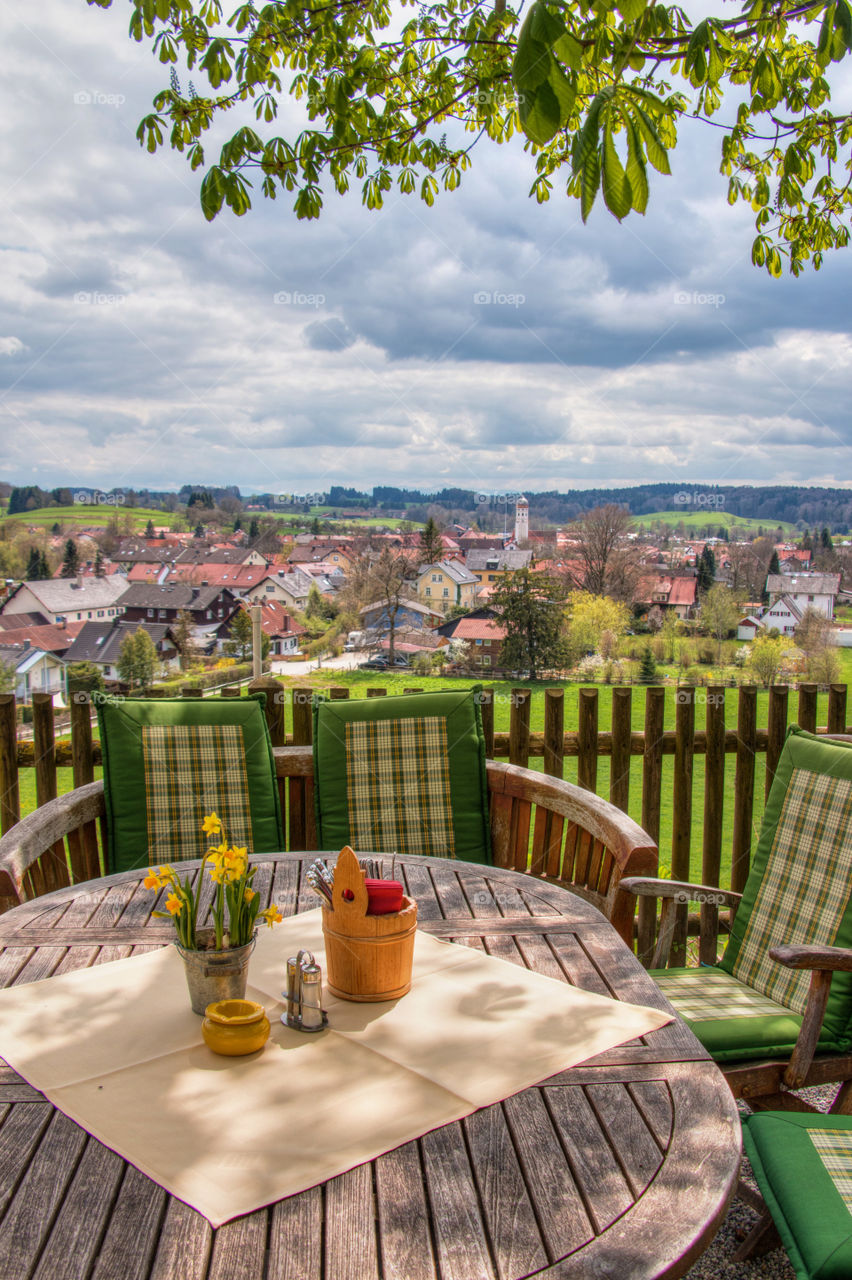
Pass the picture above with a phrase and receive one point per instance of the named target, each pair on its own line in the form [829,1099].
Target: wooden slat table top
[622,1167]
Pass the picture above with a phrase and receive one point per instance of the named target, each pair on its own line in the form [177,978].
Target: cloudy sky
[142,346]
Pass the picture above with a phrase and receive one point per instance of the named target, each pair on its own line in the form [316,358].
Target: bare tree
[749,565]
[388,580]
[606,561]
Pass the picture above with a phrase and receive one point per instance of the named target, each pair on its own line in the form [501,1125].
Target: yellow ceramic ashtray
[234,1027]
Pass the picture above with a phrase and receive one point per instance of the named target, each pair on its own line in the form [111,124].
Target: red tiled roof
[479,629]
[683,591]
[50,638]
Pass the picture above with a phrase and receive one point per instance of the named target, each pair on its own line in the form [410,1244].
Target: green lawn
[709,516]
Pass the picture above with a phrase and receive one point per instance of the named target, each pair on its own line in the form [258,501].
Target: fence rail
[698,754]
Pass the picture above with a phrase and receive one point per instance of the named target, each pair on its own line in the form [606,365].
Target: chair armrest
[680,891]
[25,843]
[822,958]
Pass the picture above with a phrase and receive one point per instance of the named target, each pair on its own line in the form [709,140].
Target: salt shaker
[304,1011]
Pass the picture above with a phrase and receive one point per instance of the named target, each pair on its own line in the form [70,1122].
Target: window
[435,578]
[270,587]
[150,613]
[446,591]
[810,599]
[79,617]
[477,642]
[486,660]
[106,671]
[209,614]
[89,614]
[428,591]
[100,613]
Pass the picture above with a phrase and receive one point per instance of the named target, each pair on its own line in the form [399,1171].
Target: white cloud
[148,343]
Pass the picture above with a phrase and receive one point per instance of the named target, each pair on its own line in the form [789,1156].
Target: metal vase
[215,975]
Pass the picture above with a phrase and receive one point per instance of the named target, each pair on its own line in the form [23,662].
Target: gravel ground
[716,1263]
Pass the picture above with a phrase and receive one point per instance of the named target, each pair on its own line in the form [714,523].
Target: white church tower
[522,519]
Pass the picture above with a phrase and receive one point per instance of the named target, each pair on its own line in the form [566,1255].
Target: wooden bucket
[368,958]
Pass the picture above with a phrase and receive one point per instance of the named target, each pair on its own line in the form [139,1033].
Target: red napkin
[384,896]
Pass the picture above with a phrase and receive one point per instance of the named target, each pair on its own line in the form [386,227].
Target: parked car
[383,663]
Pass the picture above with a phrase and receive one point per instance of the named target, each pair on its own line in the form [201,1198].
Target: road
[346,662]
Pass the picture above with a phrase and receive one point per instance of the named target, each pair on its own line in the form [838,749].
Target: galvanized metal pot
[215,975]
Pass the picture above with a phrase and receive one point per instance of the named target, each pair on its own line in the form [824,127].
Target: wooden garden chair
[775,1011]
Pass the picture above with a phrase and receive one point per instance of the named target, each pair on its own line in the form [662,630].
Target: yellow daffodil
[174,904]
[235,863]
[212,825]
[152,880]
[272,916]
[249,895]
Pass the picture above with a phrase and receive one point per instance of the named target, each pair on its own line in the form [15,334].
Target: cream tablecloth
[117,1048]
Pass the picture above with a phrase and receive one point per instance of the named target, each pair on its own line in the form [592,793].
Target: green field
[94,514]
[371,522]
[715,519]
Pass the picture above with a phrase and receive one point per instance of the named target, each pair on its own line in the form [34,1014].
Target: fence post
[303,723]
[776,732]
[276,701]
[587,739]
[338,693]
[714,801]
[256,641]
[652,774]
[82,756]
[837,708]
[808,707]
[554,732]
[622,729]
[52,868]
[486,710]
[519,728]
[744,785]
[682,806]
[10,797]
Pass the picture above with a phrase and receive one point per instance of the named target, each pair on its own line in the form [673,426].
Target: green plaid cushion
[190,771]
[834,1148]
[168,762]
[402,774]
[805,887]
[398,786]
[701,995]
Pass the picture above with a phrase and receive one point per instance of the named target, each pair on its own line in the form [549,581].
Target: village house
[289,588]
[35,671]
[447,583]
[208,605]
[375,618]
[806,590]
[100,643]
[68,599]
[483,634]
[283,630]
[784,614]
[667,591]
[19,629]
[493,565]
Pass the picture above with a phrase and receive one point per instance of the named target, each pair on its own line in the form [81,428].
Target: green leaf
[590,180]
[531,66]
[565,91]
[569,50]
[654,148]
[545,25]
[540,114]
[630,10]
[636,173]
[212,193]
[615,184]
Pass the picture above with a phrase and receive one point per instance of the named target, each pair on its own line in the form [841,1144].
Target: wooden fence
[519,745]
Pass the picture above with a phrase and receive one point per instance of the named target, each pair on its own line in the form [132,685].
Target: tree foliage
[594,623]
[602,559]
[766,657]
[531,606]
[137,659]
[596,90]
[430,538]
[71,560]
[720,613]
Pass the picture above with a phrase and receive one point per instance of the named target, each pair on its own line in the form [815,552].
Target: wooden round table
[622,1167]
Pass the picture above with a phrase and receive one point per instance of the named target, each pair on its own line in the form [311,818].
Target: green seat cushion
[403,775]
[798,888]
[803,1165]
[731,1020]
[168,762]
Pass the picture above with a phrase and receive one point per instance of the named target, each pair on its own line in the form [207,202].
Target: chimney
[194,594]
[79,581]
